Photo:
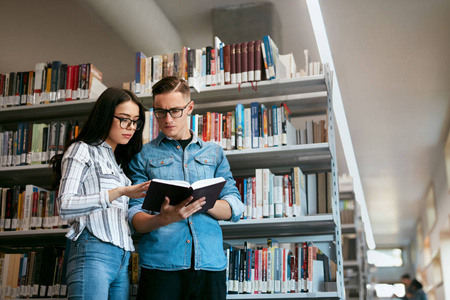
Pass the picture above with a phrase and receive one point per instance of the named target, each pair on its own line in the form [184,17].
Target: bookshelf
[305,96]
[26,242]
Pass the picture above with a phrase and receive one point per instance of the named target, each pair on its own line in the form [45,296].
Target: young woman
[93,195]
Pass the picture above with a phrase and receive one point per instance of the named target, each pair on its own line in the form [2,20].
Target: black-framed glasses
[125,123]
[173,112]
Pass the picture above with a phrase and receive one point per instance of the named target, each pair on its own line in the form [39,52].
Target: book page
[206,182]
[173,182]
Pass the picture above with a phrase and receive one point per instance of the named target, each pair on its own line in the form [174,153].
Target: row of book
[29,207]
[42,273]
[256,126]
[35,143]
[278,268]
[221,64]
[33,274]
[267,195]
[50,82]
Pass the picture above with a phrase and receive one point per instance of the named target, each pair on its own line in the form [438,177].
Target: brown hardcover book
[184,63]
[251,61]
[213,67]
[226,63]
[238,63]
[170,64]
[164,65]
[258,60]
[244,62]
[233,63]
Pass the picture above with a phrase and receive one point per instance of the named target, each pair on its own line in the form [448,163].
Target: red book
[244,62]
[69,83]
[75,74]
[205,128]
[240,186]
[238,63]
[213,67]
[227,63]
[254,213]
[251,61]
[217,123]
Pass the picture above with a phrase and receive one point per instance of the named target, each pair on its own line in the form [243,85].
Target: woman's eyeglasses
[125,123]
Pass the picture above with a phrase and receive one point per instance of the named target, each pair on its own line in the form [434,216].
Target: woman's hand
[132,191]
[137,190]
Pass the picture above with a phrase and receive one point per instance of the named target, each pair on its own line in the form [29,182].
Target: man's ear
[190,107]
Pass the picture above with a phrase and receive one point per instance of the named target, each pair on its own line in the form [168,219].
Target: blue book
[244,199]
[240,126]
[255,124]
[137,73]
[222,71]
[269,55]
[276,137]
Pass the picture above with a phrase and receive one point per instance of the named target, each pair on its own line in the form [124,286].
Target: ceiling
[391,59]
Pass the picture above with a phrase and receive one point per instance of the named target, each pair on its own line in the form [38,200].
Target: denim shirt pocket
[205,166]
[161,167]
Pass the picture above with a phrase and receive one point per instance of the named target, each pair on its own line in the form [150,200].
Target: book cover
[244,62]
[178,191]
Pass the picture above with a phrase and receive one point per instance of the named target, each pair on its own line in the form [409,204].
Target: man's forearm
[221,210]
[144,223]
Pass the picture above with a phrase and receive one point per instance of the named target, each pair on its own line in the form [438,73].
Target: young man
[181,251]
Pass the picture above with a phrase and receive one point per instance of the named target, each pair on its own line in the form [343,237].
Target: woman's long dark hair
[97,126]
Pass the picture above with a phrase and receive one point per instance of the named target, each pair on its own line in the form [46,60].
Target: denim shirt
[169,248]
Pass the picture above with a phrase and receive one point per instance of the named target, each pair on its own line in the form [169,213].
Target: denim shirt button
[188,241]
[185,166]
[178,147]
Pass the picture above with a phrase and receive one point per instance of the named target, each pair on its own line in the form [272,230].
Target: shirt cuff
[237,207]
[104,199]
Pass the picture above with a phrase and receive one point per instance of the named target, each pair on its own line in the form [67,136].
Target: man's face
[175,128]
[406,281]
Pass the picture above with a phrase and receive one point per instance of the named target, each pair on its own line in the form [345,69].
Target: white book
[265,192]
[278,196]
[247,128]
[259,193]
[312,194]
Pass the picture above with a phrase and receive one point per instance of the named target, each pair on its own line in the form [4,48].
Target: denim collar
[162,137]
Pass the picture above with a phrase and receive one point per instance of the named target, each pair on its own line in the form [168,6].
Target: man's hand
[173,213]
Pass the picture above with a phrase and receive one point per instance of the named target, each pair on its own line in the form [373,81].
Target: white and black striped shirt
[88,173]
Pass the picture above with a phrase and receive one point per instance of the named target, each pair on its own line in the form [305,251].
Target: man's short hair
[171,84]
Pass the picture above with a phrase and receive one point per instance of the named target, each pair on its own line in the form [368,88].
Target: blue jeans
[97,270]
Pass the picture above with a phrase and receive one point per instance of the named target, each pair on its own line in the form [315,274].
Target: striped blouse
[88,173]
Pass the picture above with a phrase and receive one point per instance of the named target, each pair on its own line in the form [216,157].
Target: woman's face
[119,133]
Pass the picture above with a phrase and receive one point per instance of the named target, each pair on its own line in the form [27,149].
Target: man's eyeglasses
[125,123]
[173,112]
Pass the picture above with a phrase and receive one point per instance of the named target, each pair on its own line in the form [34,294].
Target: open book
[178,190]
